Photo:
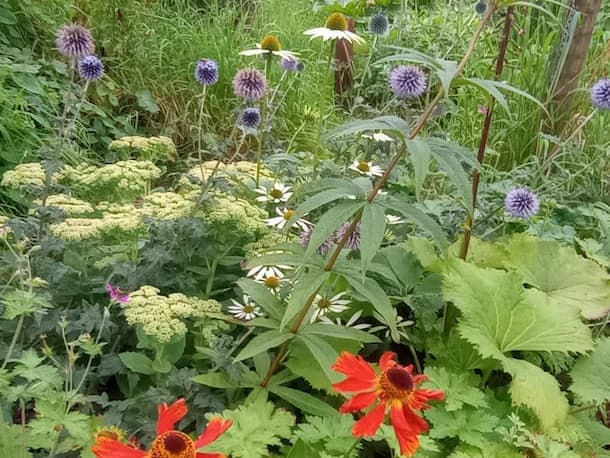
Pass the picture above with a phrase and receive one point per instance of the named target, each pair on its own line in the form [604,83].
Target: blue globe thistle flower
[379,25]
[600,94]
[305,238]
[480,7]
[407,82]
[207,72]
[91,68]
[521,203]
[353,241]
[250,118]
[74,40]
[292,65]
[249,84]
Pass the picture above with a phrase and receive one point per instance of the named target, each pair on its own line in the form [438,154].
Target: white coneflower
[247,310]
[378,137]
[284,215]
[270,45]
[366,168]
[335,28]
[322,305]
[261,272]
[393,219]
[278,193]
[351,323]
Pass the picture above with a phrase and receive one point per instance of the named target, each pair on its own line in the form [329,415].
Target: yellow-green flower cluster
[28,174]
[151,148]
[266,242]
[243,172]
[232,213]
[162,316]
[75,229]
[167,205]
[121,180]
[70,205]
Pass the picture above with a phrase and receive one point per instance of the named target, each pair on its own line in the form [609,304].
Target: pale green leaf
[215,380]
[372,230]
[339,332]
[420,157]
[304,401]
[470,425]
[461,388]
[330,221]
[591,375]
[27,82]
[263,342]
[137,362]
[307,285]
[324,354]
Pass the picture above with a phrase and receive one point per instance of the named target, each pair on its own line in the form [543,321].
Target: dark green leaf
[340,332]
[137,362]
[260,294]
[330,222]
[306,402]
[372,230]
[307,285]
[263,342]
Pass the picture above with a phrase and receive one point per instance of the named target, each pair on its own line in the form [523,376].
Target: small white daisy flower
[351,323]
[366,168]
[270,45]
[278,193]
[284,215]
[259,273]
[378,137]
[322,305]
[334,29]
[393,219]
[247,310]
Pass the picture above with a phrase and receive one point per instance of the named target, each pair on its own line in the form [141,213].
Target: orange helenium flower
[169,443]
[395,388]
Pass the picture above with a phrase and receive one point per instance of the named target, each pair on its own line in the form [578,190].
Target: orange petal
[408,443]
[370,423]
[216,427]
[358,402]
[405,419]
[170,415]
[387,360]
[420,398]
[110,448]
[360,374]
[210,455]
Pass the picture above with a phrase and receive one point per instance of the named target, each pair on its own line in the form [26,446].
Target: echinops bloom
[379,25]
[292,65]
[249,84]
[207,72]
[407,82]
[74,41]
[305,238]
[91,68]
[250,118]
[600,94]
[522,203]
[353,241]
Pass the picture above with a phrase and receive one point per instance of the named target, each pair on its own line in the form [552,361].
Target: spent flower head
[74,41]
[521,203]
[91,68]
[408,82]
[600,94]
[250,84]
[335,28]
[207,72]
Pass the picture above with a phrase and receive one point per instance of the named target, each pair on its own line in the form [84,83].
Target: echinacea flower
[353,241]
[407,82]
[335,28]
[270,46]
[379,24]
[249,84]
[366,168]
[521,203]
[247,310]
[322,305]
[284,215]
[292,65]
[395,389]
[169,443]
[305,238]
[249,119]
[261,272]
[207,72]
[74,40]
[351,323]
[278,193]
[117,294]
[600,94]
[91,68]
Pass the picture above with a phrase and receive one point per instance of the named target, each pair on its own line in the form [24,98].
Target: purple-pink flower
[117,294]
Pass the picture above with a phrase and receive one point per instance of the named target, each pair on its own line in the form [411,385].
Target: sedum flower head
[167,205]
[229,212]
[207,72]
[600,94]
[522,203]
[91,68]
[250,84]
[162,317]
[148,148]
[70,205]
[74,41]
[241,172]
[407,82]
[29,174]
[77,229]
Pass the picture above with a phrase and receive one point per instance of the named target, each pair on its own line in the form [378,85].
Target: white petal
[254,271]
[253,52]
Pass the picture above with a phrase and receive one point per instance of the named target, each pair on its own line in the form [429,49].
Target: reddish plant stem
[476,178]
[423,119]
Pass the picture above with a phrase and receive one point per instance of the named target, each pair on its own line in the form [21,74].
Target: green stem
[263,110]
[11,348]
[368,63]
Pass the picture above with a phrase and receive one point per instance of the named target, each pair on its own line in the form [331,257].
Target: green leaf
[324,354]
[339,332]
[263,342]
[405,266]
[372,230]
[320,199]
[21,302]
[147,101]
[301,450]
[470,425]
[567,279]
[260,294]
[420,157]
[137,362]
[457,175]
[330,222]
[381,123]
[28,82]
[215,380]
[7,17]
[591,375]
[308,285]
[304,401]
[461,388]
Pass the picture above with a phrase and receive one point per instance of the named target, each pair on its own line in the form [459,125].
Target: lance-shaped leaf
[419,152]
[305,402]
[260,294]
[382,123]
[307,285]
[372,230]
[263,342]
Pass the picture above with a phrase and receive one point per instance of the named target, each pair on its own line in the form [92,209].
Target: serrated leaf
[304,401]
[470,425]
[263,342]
[591,375]
[460,388]
[260,294]
[137,362]
[372,230]
[308,284]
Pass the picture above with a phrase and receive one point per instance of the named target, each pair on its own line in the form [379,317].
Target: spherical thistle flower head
[521,203]
[249,84]
[207,72]
[353,240]
[91,68]
[600,94]
[292,65]
[480,7]
[305,238]
[74,40]
[250,118]
[407,82]
[379,25]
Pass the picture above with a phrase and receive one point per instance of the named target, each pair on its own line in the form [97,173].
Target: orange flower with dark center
[396,389]
[169,443]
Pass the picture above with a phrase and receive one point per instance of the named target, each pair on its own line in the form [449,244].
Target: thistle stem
[263,109]
[283,350]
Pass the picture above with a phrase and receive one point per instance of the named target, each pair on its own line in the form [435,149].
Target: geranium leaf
[591,375]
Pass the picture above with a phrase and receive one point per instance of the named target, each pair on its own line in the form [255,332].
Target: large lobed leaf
[591,375]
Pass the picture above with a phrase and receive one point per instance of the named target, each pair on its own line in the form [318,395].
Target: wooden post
[344,57]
